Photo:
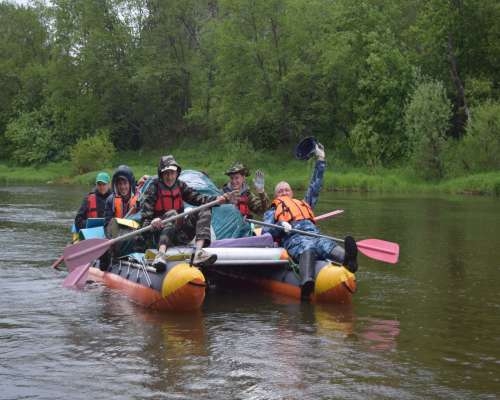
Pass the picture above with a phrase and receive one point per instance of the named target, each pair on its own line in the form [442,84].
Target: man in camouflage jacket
[166,197]
[246,202]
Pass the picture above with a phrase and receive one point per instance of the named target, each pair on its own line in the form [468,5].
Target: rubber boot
[351,254]
[307,265]
[105,261]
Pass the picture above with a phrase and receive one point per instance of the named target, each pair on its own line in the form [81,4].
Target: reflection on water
[425,328]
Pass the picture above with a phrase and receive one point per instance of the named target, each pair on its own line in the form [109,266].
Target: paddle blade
[56,263]
[379,250]
[84,252]
[77,278]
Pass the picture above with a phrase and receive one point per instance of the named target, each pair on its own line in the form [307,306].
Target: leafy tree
[23,54]
[452,41]
[482,139]
[89,83]
[269,87]
[427,119]
[32,139]
[382,87]
[169,48]
[368,75]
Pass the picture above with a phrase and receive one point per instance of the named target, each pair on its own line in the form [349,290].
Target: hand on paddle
[377,249]
[258,181]
[78,257]
[157,224]
[286,226]
[229,197]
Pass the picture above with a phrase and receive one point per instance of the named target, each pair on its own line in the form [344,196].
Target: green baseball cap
[102,177]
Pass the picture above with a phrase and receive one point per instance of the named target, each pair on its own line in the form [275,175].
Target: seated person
[165,197]
[93,204]
[123,198]
[293,213]
[247,202]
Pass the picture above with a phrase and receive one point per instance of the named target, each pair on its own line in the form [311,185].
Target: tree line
[385,82]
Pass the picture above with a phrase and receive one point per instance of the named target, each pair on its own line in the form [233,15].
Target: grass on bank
[277,167]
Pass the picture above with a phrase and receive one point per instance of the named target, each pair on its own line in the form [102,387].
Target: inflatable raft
[241,259]
[252,262]
[180,288]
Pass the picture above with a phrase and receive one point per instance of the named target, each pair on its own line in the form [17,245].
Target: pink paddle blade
[56,263]
[84,252]
[77,278]
[381,250]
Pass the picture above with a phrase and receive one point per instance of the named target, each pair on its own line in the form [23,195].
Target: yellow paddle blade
[178,257]
[150,255]
[128,222]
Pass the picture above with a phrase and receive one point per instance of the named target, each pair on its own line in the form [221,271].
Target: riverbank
[338,176]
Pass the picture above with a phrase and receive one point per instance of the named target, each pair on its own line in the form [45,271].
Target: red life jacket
[242,205]
[168,199]
[120,209]
[91,205]
[288,209]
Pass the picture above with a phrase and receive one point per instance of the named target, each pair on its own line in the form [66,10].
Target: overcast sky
[21,2]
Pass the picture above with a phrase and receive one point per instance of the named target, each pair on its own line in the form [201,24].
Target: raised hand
[258,181]
[319,151]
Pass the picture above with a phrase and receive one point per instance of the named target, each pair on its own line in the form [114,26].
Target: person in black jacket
[123,196]
[93,204]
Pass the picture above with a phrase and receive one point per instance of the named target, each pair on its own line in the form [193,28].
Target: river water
[426,328]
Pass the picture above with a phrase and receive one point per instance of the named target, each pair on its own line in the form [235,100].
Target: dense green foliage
[427,118]
[386,83]
[91,153]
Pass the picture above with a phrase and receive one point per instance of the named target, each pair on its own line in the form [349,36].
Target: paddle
[327,215]
[56,263]
[79,256]
[77,278]
[374,248]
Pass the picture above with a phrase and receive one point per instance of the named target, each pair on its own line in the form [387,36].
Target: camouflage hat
[238,167]
[168,163]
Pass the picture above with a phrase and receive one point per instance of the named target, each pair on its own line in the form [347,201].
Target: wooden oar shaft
[327,215]
[166,220]
[91,249]
[306,233]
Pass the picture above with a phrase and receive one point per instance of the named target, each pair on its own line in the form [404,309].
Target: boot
[105,261]
[160,263]
[203,258]
[307,265]
[351,254]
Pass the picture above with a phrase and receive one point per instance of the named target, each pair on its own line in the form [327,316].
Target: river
[426,328]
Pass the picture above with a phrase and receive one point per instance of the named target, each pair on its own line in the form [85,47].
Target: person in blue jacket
[291,213]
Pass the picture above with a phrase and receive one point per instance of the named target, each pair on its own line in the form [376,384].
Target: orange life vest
[120,209]
[168,199]
[288,209]
[92,205]
[242,205]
